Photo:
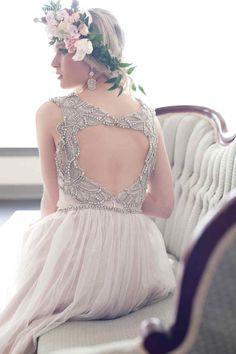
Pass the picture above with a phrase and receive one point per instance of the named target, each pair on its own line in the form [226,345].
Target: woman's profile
[95,253]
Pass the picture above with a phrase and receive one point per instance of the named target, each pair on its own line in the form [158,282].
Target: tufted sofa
[203,159]
[205,319]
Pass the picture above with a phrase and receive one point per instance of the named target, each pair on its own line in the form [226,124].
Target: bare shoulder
[48,109]
[48,115]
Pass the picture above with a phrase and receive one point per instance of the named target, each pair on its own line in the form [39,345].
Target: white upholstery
[203,172]
[75,335]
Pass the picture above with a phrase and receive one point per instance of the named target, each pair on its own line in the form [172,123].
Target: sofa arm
[205,319]
[131,346]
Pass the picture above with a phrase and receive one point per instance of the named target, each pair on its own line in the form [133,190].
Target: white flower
[64,26]
[83,47]
[51,21]
[50,16]
[52,31]
[73,31]
[74,17]
[61,15]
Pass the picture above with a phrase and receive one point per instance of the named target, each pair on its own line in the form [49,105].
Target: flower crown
[81,37]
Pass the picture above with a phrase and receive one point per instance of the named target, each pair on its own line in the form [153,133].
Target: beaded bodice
[76,190]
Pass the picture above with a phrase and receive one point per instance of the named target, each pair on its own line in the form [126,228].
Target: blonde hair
[113,36]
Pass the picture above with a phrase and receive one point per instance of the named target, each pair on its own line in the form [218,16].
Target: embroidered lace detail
[77,191]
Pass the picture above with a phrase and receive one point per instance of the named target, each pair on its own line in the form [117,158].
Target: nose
[55,61]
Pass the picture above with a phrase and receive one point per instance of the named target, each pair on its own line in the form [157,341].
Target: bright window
[184,51]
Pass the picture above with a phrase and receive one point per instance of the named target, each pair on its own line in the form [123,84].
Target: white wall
[20,171]
[184,51]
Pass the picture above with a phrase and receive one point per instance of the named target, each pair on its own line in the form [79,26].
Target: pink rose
[83,29]
[75,17]
[72,31]
[70,44]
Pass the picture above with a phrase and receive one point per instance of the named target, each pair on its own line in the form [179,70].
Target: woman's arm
[159,199]
[46,118]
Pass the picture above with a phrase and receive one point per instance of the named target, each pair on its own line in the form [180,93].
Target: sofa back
[203,161]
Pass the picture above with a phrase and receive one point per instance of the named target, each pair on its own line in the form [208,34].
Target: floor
[8,207]
[15,217]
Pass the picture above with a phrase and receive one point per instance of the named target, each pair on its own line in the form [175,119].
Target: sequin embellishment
[73,181]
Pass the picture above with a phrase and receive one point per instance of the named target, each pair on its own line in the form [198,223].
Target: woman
[95,253]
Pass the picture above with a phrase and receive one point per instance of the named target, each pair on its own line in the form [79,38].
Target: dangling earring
[92,83]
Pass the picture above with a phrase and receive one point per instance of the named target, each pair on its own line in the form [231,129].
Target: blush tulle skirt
[77,265]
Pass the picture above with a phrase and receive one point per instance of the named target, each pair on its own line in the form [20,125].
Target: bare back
[112,156]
